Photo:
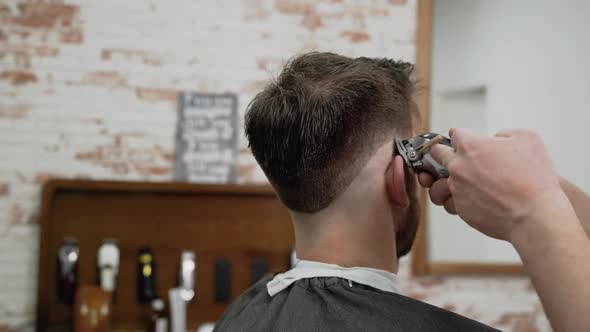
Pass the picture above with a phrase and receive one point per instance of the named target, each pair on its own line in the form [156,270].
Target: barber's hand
[494,182]
[440,193]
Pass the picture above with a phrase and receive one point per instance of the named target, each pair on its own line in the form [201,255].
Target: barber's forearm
[579,200]
[555,251]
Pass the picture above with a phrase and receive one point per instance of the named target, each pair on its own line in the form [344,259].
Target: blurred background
[102,90]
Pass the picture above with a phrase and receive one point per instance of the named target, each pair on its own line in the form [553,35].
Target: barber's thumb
[442,154]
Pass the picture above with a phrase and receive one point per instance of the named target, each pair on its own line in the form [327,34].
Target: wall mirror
[489,65]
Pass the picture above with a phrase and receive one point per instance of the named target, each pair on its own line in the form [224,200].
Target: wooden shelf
[238,223]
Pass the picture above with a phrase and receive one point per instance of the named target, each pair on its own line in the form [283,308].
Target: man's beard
[408,222]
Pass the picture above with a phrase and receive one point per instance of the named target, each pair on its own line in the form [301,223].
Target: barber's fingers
[508,133]
[450,206]
[440,192]
[443,154]
[460,136]
[425,180]
[452,132]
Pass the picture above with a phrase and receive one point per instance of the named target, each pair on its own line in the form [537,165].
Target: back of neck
[357,237]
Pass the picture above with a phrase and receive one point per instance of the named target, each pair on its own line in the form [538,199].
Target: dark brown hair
[314,127]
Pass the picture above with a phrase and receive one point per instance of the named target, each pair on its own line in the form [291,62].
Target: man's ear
[395,180]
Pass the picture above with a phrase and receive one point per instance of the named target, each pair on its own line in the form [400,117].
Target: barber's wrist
[548,217]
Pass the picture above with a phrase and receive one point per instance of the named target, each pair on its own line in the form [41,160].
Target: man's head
[317,125]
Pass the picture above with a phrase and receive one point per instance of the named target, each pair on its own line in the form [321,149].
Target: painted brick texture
[88,90]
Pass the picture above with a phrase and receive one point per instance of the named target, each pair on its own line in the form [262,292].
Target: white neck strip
[379,279]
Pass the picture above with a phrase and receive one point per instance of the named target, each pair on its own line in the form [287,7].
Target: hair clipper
[416,154]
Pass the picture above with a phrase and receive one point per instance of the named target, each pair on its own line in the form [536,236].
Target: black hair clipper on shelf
[416,154]
[67,280]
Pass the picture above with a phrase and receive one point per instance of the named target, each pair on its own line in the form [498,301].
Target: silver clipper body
[416,154]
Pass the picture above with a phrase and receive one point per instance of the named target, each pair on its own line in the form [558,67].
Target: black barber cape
[336,304]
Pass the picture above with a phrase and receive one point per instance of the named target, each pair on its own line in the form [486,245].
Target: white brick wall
[87,89]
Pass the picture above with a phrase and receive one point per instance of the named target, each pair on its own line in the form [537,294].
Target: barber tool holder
[233,229]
